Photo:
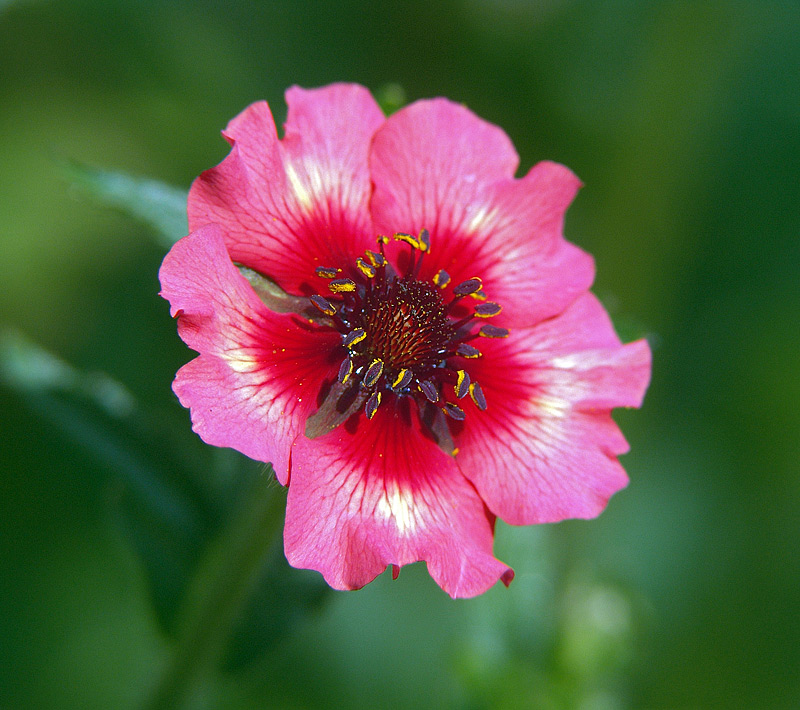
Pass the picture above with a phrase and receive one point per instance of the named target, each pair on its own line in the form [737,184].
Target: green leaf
[159,502]
[160,206]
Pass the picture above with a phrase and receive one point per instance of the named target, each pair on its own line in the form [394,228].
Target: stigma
[400,337]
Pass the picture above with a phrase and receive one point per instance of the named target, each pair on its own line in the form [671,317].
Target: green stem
[217,595]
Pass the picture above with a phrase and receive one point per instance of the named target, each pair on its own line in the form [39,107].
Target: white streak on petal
[566,362]
[553,406]
[480,218]
[241,361]
[300,191]
[398,505]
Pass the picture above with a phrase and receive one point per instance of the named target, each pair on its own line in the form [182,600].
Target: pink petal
[546,447]
[378,492]
[288,206]
[259,372]
[438,166]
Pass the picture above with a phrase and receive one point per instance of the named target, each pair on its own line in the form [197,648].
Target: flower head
[397,324]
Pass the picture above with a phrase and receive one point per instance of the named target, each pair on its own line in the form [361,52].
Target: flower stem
[216,597]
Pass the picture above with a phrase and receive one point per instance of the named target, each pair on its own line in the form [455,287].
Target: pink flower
[366,368]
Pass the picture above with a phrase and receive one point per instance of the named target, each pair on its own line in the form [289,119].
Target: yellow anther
[441,279]
[354,338]
[375,259]
[365,268]
[408,239]
[476,393]
[342,285]
[425,240]
[461,387]
[327,272]
[400,377]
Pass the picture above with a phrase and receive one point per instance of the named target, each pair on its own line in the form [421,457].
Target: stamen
[465,288]
[354,337]
[373,374]
[488,309]
[467,351]
[375,259]
[324,305]
[454,411]
[492,331]
[441,279]
[403,379]
[345,370]
[408,239]
[462,385]
[399,334]
[342,285]
[372,404]
[425,240]
[367,269]
[429,390]
[476,393]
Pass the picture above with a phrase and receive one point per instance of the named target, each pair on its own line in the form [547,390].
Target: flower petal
[546,447]
[378,492]
[259,373]
[291,205]
[438,166]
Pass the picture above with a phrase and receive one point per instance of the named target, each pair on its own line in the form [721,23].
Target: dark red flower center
[406,325]
[400,336]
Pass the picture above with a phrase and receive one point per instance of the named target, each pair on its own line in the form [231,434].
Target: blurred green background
[683,121]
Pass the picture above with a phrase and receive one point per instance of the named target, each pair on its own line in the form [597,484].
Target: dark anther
[327,272]
[345,370]
[492,331]
[476,393]
[403,379]
[429,390]
[373,374]
[462,384]
[425,240]
[454,411]
[372,404]
[375,259]
[466,350]
[354,337]
[467,287]
[487,309]
[441,279]
[324,305]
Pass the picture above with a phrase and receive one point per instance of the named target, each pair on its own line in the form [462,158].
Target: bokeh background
[683,121]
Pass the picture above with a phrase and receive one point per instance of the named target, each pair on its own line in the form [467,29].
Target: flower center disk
[407,325]
[400,337]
